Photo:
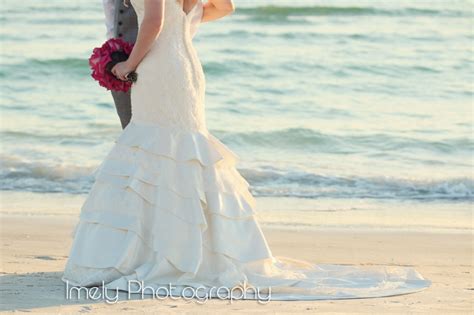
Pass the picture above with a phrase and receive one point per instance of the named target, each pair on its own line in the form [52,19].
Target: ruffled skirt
[169,207]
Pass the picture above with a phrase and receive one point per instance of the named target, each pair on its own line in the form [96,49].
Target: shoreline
[347,229]
[291,214]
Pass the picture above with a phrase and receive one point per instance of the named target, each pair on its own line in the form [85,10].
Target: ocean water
[347,101]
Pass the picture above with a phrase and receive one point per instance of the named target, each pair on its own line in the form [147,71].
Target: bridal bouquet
[104,58]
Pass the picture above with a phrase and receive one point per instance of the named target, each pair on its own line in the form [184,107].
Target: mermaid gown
[169,207]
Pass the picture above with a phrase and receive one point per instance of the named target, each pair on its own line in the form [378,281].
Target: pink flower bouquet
[104,58]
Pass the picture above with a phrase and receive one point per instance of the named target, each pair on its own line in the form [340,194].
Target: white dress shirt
[109,9]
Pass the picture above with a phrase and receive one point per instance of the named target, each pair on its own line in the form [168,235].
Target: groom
[121,22]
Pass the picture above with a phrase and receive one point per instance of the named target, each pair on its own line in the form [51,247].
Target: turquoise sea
[335,105]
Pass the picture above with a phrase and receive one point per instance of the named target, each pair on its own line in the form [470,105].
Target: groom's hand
[121,69]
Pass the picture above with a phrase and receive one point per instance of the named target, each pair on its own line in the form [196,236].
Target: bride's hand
[121,69]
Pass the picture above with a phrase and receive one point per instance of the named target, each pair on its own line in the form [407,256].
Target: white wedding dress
[169,206]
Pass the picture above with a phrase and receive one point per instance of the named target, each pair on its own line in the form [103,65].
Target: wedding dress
[168,205]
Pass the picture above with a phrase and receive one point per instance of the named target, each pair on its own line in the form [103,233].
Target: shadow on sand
[46,289]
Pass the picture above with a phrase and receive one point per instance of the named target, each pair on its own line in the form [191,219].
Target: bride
[168,206]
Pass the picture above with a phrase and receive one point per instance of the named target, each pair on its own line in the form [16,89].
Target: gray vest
[125,22]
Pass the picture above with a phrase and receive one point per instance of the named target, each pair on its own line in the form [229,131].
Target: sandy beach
[35,248]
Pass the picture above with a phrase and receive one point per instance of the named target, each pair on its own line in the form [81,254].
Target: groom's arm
[109,10]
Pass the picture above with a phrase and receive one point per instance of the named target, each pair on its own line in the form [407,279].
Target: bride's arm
[216,9]
[150,28]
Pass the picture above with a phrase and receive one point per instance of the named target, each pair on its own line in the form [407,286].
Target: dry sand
[35,248]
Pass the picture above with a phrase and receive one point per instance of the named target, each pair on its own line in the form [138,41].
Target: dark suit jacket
[125,22]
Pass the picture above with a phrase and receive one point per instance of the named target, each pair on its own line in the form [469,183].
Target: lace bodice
[170,88]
